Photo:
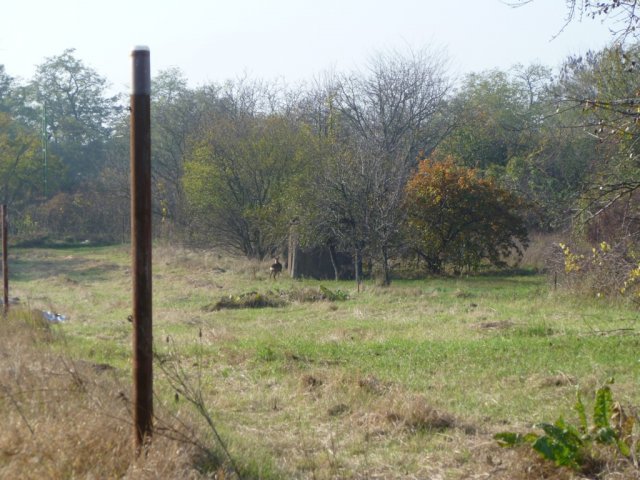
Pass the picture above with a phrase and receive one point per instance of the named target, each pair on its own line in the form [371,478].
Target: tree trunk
[293,251]
[434,264]
[385,267]
[358,267]
[332,255]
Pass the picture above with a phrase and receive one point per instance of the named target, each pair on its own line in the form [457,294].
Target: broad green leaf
[603,407]
[624,448]
[582,414]
[606,435]
[570,434]
[509,439]
[560,433]
[556,452]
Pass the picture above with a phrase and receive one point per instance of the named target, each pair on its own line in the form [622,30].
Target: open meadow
[406,381]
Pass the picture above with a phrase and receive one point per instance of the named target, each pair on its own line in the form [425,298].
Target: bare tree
[622,14]
[386,116]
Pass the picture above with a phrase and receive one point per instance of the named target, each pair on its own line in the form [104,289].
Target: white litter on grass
[54,317]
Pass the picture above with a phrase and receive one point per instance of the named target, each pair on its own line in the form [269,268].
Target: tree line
[397,160]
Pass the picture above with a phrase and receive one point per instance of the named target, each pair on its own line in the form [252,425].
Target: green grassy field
[407,381]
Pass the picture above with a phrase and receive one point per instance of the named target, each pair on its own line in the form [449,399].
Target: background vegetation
[236,164]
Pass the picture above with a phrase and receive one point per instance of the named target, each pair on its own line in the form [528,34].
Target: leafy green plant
[276,299]
[573,446]
[247,300]
[334,295]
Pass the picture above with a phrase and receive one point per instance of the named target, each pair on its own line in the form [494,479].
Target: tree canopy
[457,218]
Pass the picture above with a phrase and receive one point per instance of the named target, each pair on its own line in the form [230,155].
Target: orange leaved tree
[455,218]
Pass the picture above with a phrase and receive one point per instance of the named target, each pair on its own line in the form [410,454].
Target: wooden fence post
[141,246]
[5,261]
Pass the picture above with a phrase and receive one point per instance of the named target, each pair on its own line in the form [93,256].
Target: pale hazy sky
[214,40]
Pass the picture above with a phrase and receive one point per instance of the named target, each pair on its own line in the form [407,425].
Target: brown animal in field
[275,269]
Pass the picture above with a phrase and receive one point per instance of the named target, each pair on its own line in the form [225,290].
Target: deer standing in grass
[275,269]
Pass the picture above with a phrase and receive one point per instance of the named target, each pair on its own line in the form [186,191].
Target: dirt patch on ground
[498,325]
[417,415]
[558,380]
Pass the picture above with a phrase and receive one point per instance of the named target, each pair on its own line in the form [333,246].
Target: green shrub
[335,295]
[276,299]
[573,446]
[247,300]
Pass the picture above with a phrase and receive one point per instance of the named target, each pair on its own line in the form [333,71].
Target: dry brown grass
[542,248]
[71,419]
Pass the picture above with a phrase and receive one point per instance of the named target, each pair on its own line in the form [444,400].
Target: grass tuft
[417,415]
[277,299]
[246,300]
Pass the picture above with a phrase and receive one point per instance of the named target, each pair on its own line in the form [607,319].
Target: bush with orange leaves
[457,219]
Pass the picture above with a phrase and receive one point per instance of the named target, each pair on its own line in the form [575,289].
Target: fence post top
[141,71]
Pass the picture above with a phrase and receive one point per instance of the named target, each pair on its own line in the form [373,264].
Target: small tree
[239,180]
[456,218]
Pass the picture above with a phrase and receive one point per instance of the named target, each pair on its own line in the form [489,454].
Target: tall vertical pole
[44,144]
[141,246]
[5,262]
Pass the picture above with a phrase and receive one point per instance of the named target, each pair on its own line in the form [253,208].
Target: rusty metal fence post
[5,261]
[141,246]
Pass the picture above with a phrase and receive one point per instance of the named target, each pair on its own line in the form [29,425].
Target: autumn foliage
[457,219]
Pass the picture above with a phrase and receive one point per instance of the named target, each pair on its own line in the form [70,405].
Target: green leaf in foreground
[603,407]
[571,446]
[582,414]
[510,439]
[559,453]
